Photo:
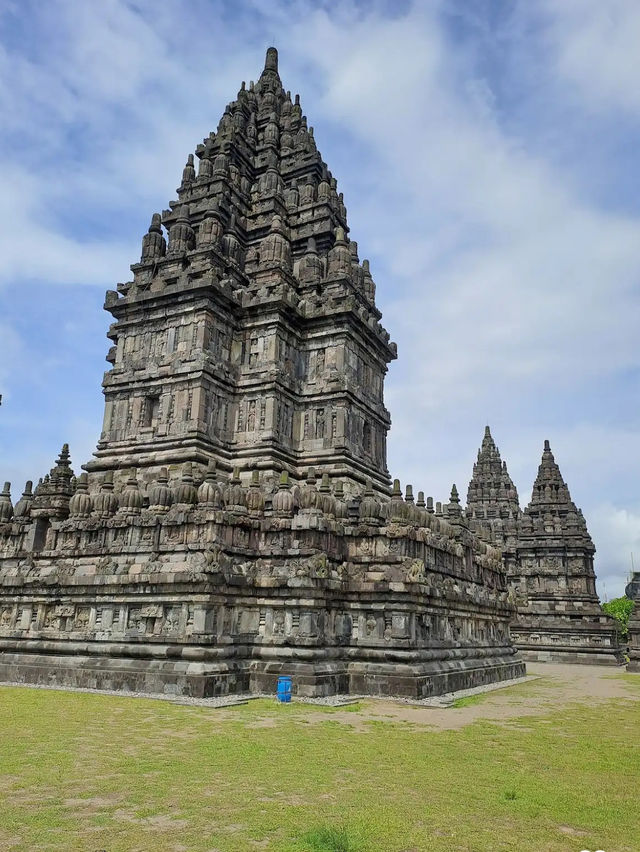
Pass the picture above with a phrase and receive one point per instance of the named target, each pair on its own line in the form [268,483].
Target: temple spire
[271,61]
[493,507]
[550,489]
[491,487]
[259,216]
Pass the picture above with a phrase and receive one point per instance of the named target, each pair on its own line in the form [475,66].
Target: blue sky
[488,156]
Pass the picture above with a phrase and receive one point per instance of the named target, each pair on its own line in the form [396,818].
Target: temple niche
[547,555]
[237,520]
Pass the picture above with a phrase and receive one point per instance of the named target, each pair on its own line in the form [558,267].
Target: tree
[620,609]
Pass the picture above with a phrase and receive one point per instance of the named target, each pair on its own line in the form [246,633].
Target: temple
[547,554]
[252,336]
[632,591]
[238,521]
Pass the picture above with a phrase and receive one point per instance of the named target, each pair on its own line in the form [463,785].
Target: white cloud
[616,532]
[594,45]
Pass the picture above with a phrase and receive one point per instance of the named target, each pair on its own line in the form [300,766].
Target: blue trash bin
[283,691]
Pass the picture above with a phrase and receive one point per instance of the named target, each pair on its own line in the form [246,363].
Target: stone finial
[182,237]
[339,258]
[453,508]
[420,501]
[6,507]
[368,282]
[283,482]
[341,508]
[398,509]
[292,195]
[408,496]
[81,504]
[231,244]
[271,135]
[131,499]
[430,505]
[271,61]
[209,492]
[211,228]
[255,496]
[105,502]
[370,508]
[311,268]
[326,501]
[275,248]
[283,502]
[23,505]
[154,245]
[185,493]
[309,492]
[64,459]
[205,168]
[235,496]
[160,496]
[189,172]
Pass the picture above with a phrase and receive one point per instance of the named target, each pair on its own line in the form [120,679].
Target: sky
[488,155]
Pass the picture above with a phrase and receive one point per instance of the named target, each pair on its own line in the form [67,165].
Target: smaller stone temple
[633,591]
[547,554]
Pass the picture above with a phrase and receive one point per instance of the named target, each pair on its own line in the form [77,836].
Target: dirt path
[553,687]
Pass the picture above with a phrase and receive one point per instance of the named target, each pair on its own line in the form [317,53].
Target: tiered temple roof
[250,333]
[493,506]
[551,512]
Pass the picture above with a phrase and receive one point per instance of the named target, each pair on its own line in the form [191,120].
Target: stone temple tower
[547,553]
[493,508]
[561,619]
[249,334]
[248,342]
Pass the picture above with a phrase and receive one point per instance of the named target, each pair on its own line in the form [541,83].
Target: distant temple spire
[547,554]
[492,496]
[550,491]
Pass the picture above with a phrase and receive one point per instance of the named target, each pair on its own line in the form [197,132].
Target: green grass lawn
[89,772]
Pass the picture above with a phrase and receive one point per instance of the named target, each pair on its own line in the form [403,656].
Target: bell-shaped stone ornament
[185,494]
[81,504]
[160,496]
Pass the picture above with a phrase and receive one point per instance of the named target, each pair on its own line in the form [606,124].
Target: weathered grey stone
[547,554]
[236,522]
[633,591]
